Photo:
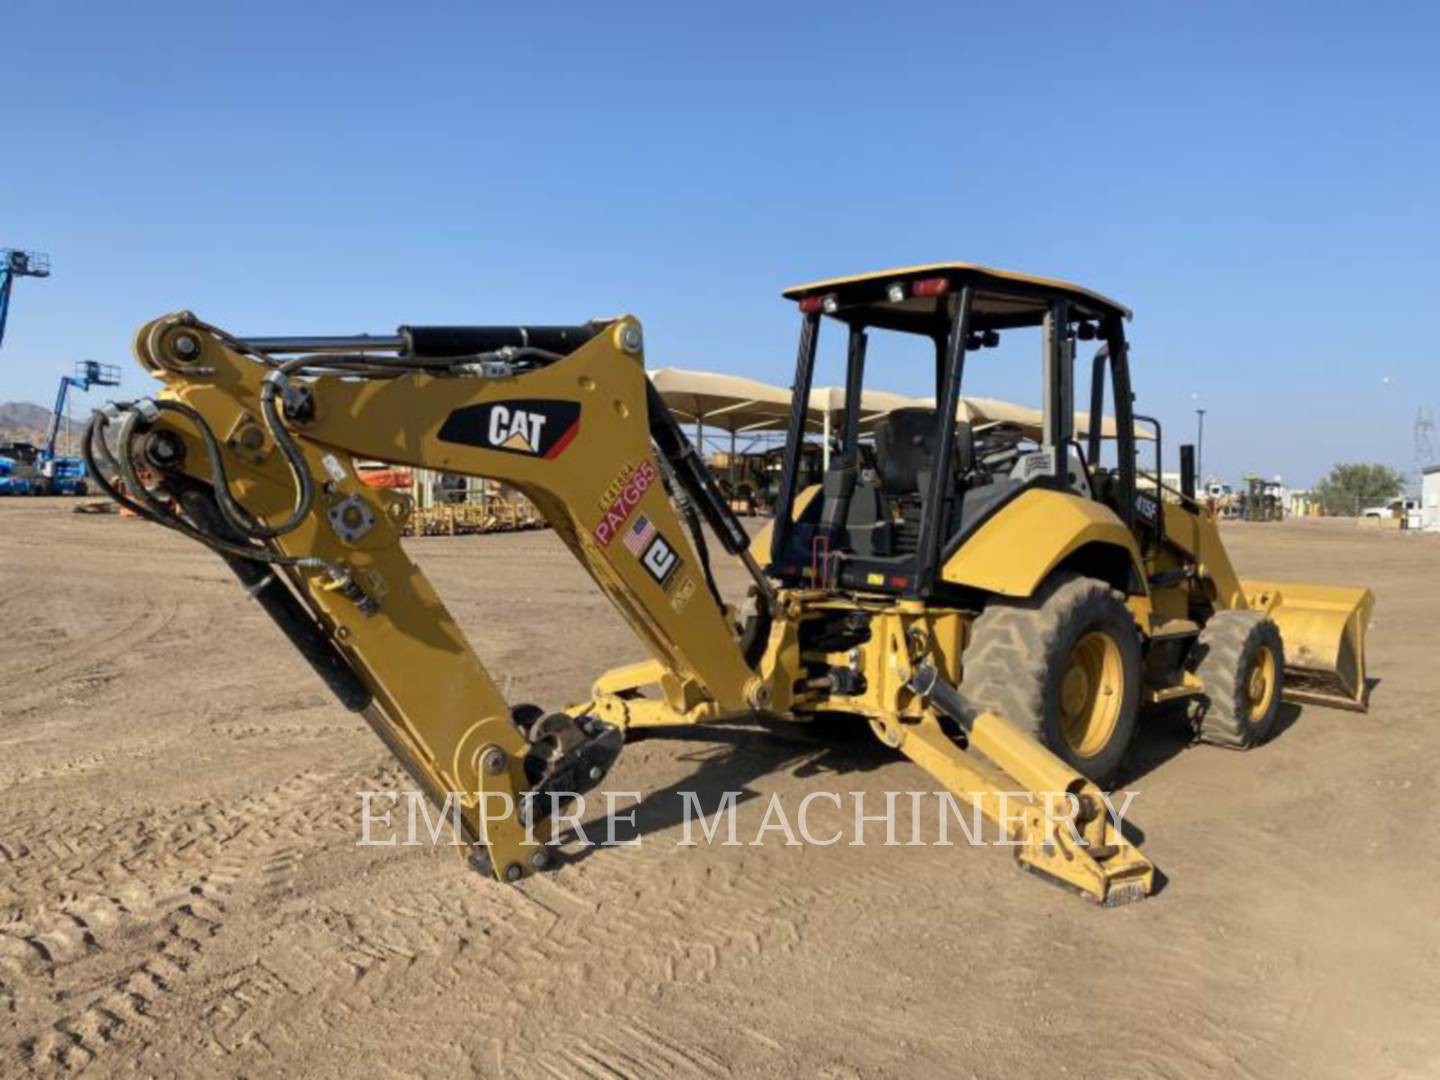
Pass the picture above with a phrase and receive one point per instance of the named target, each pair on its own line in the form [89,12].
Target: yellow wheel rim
[1260,685]
[1092,690]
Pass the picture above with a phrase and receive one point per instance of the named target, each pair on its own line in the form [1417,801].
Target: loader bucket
[1323,628]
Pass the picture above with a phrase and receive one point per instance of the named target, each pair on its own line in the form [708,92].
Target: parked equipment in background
[996,605]
[453,505]
[17,264]
[1262,500]
[64,474]
[15,477]
[750,481]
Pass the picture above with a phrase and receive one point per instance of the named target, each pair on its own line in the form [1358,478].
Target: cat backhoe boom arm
[562,413]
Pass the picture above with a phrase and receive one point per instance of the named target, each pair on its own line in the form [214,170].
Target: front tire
[1064,667]
[1240,661]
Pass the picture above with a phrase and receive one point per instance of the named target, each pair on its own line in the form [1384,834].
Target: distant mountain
[23,422]
[24,416]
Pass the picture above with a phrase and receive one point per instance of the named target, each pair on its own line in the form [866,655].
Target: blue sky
[1258,182]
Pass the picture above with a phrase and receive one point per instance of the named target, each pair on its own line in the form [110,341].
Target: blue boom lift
[64,474]
[14,264]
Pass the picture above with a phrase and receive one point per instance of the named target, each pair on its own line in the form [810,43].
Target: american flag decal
[639,535]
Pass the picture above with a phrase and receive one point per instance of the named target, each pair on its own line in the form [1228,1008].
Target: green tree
[1348,489]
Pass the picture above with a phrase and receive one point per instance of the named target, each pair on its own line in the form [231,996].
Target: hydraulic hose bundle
[246,537]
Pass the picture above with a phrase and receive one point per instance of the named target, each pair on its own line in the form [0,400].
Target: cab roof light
[935,286]
[827,303]
[895,292]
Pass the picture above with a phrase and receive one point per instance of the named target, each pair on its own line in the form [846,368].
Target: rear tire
[1064,667]
[1240,661]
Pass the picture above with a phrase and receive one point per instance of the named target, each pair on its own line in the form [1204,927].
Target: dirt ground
[181,890]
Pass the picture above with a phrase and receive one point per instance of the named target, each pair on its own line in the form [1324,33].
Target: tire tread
[1218,715]
[1014,644]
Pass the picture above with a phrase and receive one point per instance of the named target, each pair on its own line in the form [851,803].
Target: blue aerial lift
[14,264]
[63,474]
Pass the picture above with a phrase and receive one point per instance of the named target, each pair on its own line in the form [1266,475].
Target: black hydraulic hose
[702,548]
[95,436]
[689,475]
[102,450]
[925,681]
[304,486]
[270,389]
[692,523]
[235,515]
[153,510]
[690,471]
[362,365]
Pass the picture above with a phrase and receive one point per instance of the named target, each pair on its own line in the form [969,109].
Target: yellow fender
[1018,548]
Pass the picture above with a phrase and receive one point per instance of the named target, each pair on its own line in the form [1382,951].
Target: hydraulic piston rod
[358,343]
[435,341]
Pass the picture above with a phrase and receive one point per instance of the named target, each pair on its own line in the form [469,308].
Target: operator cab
[897,500]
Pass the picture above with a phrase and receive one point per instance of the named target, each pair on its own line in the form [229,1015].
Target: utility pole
[1424,443]
[1200,445]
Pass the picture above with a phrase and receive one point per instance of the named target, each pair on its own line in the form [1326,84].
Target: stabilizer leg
[1065,832]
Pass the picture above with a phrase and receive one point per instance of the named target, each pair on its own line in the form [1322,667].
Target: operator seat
[905,443]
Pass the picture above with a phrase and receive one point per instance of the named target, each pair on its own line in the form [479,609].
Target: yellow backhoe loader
[997,605]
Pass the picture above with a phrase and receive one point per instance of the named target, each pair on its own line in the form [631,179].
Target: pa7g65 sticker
[642,538]
[622,498]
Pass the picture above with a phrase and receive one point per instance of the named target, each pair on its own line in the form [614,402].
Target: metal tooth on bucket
[1126,892]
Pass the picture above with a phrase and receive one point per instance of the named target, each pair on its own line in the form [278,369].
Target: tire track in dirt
[627,928]
[630,1049]
[85,664]
[159,890]
[643,962]
[126,1007]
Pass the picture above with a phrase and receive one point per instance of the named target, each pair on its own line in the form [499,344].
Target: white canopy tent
[985,410]
[739,406]
[728,402]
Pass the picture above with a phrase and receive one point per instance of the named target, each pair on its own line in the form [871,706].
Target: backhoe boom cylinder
[434,342]
[356,343]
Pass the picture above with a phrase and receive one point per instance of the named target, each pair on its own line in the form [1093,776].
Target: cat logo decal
[532,426]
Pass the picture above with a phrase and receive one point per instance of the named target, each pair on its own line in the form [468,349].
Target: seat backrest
[905,442]
[904,448]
